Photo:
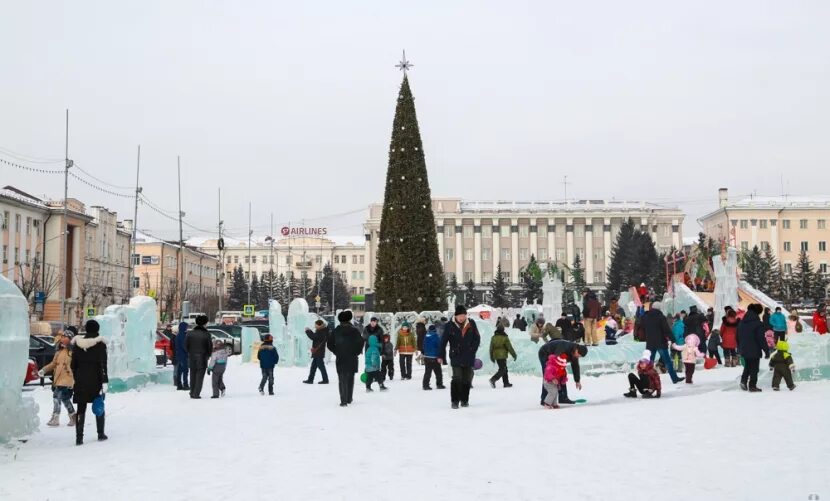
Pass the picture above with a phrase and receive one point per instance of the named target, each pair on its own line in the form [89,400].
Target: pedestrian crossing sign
[90,311]
[248,310]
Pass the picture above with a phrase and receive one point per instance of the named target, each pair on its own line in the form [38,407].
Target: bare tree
[34,277]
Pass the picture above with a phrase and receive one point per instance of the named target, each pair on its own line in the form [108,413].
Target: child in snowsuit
[432,352]
[373,365]
[216,368]
[712,345]
[555,376]
[782,365]
[387,358]
[690,354]
[647,381]
[678,330]
[62,380]
[500,347]
[405,346]
[268,359]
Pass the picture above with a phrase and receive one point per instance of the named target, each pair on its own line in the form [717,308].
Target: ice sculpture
[18,415]
[399,318]
[726,283]
[250,340]
[277,326]
[681,299]
[551,297]
[296,352]
[114,329]
[130,333]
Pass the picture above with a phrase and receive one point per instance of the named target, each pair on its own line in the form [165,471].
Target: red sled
[709,363]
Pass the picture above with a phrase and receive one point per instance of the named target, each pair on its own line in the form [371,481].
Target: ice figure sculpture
[682,299]
[250,340]
[130,333]
[276,326]
[726,283]
[398,320]
[114,329]
[385,320]
[627,303]
[551,297]
[18,415]
[298,344]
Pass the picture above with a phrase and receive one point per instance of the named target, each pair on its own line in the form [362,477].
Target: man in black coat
[573,352]
[659,337]
[461,334]
[346,343]
[318,351]
[89,368]
[694,324]
[199,347]
[751,344]
[373,329]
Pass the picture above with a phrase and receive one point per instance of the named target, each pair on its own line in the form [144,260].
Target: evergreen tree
[238,293]
[293,288]
[267,288]
[342,297]
[634,260]
[408,268]
[455,289]
[803,279]
[304,285]
[531,281]
[500,299]
[254,290]
[470,296]
[621,258]
[773,285]
[577,281]
[752,263]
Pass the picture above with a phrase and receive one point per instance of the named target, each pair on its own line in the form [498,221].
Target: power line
[30,159]
[31,169]
[103,190]
[102,181]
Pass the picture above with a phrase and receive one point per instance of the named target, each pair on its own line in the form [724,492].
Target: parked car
[234,344]
[46,339]
[31,372]
[163,348]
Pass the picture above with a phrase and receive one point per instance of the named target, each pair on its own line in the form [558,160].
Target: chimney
[128,225]
[723,197]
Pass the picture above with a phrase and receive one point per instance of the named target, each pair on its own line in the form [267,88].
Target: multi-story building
[22,238]
[293,256]
[474,237]
[160,266]
[786,225]
[105,279]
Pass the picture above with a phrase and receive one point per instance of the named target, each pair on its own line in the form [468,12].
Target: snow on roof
[562,205]
[786,201]
[260,241]
[21,196]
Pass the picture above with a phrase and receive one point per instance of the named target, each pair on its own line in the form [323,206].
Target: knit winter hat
[345,316]
[646,355]
[460,310]
[562,360]
[405,325]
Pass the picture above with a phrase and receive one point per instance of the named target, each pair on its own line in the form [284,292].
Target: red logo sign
[285,231]
[302,231]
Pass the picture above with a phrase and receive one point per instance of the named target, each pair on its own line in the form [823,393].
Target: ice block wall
[551,297]
[18,415]
[130,331]
[250,339]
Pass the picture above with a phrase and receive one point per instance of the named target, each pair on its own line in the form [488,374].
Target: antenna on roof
[565,184]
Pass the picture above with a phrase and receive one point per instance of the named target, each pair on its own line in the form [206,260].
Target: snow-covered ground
[705,441]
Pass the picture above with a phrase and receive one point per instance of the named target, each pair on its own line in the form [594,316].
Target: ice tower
[726,283]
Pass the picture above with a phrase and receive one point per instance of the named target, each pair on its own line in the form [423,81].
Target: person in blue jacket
[180,378]
[678,330]
[373,364]
[268,359]
[432,352]
[778,322]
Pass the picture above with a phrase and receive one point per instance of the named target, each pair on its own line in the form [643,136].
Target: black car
[41,352]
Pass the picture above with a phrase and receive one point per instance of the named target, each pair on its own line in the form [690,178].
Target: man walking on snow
[591,312]
[658,337]
[463,338]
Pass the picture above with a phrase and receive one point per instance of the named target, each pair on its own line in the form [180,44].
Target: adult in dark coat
[199,347]
[346,343]
[751,344]
[566,326]
[694,324]
[318,337]
[180,370]
[573,352]
[89,367]
[659,337]
[461,334]
[373,329]
[420,334]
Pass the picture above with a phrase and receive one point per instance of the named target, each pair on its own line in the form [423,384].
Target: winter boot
[55,421]
[775,388]
[72,419]
[791,388]
[508,385]
[79,429]
[754,389]
[632,393]
[99,425]
[492,384]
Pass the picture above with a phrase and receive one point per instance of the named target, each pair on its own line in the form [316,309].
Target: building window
[467,231]
[524,231]
[336,259]
[5,254]
[598,278]
[506,276]
[486,277]
[822,268]
[579,231]
[524,254]
[354,275]
[543,254]
[449,255]
[253,259]
[785,224]
[468,276]
[744,245]
[542,230]
[230,258]
[288,260]
[765,246]
[5,221]
[247,259]
[136,259]
[17,223]
[804,246]
[744,224]
[449,230]
[362,275]
[485,254]
[822,246]
[468,254]
[28,226]
[802,224]
[236,260]
[136,282]
[504,230]
[247,275]
[599,254]
[788,268]
[362,259]
[787,247]
[354,259]
[343,258]
[763,224]
[505,253]
[318,259]
[821,224]
[579,251]
[486,231]
[561,256]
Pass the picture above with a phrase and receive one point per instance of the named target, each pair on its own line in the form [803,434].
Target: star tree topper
[404,65]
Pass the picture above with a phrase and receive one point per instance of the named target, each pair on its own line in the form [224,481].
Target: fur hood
[86,343]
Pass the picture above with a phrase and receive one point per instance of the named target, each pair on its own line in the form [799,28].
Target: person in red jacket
[647,381]
[729,338]
[820,319]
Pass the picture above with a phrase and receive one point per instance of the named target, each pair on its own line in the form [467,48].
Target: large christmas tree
[409,275]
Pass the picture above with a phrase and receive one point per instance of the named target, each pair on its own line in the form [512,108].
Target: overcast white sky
[290,104]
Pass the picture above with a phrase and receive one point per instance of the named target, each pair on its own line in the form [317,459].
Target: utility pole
[135,223]
[221,245]
[271,278]
[65,225]
[250,268]
[333,307]
[181,238]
